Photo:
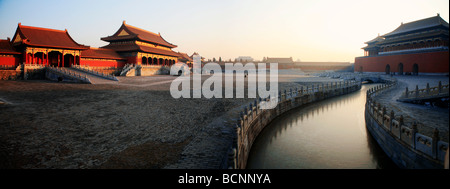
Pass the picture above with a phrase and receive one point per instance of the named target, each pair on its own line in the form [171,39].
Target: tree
[214,59]
[220,59]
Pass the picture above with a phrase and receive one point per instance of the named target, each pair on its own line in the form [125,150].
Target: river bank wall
[401,141]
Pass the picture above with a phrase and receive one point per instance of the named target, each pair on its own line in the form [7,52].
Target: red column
[62,61]
[42,60]
[32,58]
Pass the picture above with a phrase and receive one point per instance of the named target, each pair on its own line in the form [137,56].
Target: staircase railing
[93,72]
[68,73]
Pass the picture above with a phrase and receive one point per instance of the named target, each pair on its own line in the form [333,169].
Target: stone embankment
[401,140]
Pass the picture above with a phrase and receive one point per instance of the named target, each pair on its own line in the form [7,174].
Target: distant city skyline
[307,30]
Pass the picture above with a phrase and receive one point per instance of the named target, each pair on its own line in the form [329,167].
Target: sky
[306,30]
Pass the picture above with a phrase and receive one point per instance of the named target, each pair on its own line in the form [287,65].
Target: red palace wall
[431,62]
[9,60]
[101,63]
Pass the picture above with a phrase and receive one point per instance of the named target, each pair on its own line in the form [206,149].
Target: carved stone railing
[125,69]
[427,93]
[404,133]
[67,73]
[93,72]
[253,119]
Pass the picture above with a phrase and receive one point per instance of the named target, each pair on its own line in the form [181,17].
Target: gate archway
[388,69]
[400,69]
[415,69]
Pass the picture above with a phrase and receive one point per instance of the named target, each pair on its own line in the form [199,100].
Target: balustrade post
[417,91]
[428,89]
[413,133]
[434,145]
[256,106]
[392,118]
[440,87]
[401,120]
[378,108]
[406,92]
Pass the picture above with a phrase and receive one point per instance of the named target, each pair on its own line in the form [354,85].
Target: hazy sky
[309,30]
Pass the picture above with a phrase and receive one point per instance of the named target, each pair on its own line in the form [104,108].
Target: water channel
[329,134]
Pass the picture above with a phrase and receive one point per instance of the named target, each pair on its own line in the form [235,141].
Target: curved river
[329,134]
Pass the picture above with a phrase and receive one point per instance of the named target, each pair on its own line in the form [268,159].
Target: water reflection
[326,134]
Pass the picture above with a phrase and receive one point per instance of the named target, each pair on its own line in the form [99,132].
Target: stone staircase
[92,77]
[93,72]
[64,75]
[126,69]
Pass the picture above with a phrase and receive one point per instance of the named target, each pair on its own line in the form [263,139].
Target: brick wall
[431,62]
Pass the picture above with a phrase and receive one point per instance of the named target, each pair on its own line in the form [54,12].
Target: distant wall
[317,66]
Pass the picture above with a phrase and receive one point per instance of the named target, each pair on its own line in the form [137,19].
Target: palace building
[44,46]
[418,47]
[141,47]
[40,47]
